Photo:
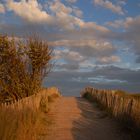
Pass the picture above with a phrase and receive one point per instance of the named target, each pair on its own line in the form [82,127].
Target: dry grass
[125,107]
[22,120]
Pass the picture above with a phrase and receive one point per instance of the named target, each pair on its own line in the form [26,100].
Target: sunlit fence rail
[123,106]
[33,100]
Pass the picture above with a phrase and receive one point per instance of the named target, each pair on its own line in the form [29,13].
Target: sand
[74,118]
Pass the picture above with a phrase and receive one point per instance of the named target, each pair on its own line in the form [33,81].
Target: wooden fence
[122,106]
[23,119]
[31,101]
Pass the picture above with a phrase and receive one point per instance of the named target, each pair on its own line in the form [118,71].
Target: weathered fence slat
[121,105]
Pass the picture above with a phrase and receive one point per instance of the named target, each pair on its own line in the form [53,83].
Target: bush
[23,65]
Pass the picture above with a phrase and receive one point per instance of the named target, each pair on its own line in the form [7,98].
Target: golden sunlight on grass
[22,120]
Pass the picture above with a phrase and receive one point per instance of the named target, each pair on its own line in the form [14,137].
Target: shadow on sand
[95,124]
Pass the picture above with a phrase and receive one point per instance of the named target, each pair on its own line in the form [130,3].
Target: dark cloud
[72,82]
[67,66]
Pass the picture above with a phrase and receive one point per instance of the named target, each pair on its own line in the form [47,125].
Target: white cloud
[132,22]
[109,59]
[77,12]
[130,34]
[2,9]
[29,10]
[84,53]
[122,2]
[82,43]
[65,20]
[126,23]
[115,24]
[87,48]
[58,7]
[85,44]
[68,55]
[60,17]
[66,27]
[109,5]
[32,11]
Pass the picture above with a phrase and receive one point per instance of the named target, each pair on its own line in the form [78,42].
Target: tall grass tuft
[21,120]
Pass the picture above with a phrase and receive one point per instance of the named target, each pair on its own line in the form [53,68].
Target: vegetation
[23,65]
[125,107]
[23,120]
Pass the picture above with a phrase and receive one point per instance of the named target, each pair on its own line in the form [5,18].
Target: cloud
[29,10]
[130,34]
[71,1]
[82,54]
[109,5]
[127,23]
[68,55]
[109,59]
[60,17]
[32,11]
[115,24]
[57,7]
[67,21]
[88,48]
[66,67]
[79,39]
[82,47]
[77,12]
[62,28]
[2,8]
[122,74]
[67,59]
[108,77]
[121,2]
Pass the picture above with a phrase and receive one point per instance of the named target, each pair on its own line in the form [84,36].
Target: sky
[96,42]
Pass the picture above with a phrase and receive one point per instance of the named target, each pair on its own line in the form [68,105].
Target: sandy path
[77,119]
